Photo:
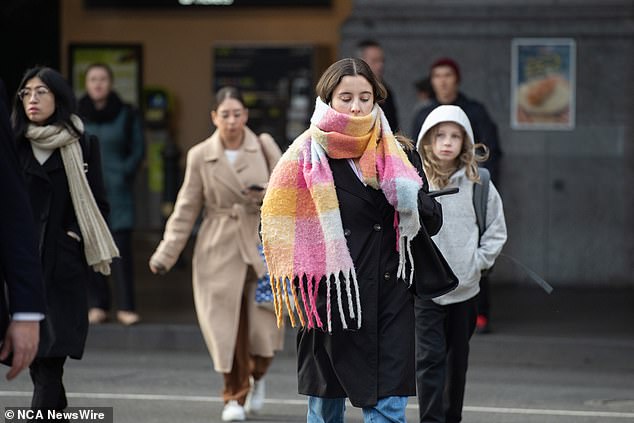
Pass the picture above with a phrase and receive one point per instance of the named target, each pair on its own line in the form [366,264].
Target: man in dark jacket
[445,80]
[20,270]
[371,53]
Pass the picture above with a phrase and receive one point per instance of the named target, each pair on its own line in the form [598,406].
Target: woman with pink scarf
[343,207]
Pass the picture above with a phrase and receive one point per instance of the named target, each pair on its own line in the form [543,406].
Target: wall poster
[543,83]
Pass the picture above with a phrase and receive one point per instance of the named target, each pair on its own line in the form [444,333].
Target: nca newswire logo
[71,414]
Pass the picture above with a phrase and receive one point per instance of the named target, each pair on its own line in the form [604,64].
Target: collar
[214,148]
[458,175]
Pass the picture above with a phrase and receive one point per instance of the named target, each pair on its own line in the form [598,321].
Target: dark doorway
[30,34]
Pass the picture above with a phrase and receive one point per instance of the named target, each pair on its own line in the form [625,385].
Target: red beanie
[446,61]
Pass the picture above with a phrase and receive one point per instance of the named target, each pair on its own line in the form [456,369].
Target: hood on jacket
[445,113]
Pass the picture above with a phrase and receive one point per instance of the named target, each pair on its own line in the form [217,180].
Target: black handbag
[432,275]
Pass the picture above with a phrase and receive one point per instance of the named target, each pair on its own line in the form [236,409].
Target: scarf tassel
[405,255]
[301,301]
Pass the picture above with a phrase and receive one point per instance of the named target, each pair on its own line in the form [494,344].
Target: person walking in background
[22,303]
[120,131]
[328,227]
[444,325]
[226,175]
[424,95]
[445,80]
[444,76]
[371,52]
[62,168]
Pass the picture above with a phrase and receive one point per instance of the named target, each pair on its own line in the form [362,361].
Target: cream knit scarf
[99,247]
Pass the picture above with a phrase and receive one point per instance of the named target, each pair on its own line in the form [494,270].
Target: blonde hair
[468,158]
[405,142]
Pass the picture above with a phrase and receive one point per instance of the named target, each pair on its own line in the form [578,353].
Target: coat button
[377,227]
[346,232]
[387,276]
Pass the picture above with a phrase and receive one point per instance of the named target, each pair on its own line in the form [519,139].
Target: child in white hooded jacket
[444,325]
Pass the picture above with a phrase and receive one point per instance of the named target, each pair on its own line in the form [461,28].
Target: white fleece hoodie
[458,237]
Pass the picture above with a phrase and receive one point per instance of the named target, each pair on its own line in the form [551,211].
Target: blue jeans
[331,410]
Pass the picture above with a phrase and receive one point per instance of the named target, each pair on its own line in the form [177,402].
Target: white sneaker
[233,412]
[255,399]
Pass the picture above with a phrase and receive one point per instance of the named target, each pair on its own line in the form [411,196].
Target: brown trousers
[244,364]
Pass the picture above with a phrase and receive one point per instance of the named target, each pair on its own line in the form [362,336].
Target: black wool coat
[377,360]
[20,272]
[66,272]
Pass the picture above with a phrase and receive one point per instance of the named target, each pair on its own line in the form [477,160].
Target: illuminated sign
[180,4]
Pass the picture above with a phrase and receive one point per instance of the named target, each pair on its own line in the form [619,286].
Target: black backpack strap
[480,198]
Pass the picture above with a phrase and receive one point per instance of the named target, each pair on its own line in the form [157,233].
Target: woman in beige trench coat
[220,180]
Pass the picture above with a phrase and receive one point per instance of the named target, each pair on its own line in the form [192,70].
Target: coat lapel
[29,164]
[53,163]
[249,149]
[346,180]
[222,170]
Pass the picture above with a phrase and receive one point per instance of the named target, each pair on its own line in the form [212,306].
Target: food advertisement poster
[543,83]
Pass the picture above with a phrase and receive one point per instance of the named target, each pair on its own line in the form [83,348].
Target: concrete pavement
[513,378]
[561,358]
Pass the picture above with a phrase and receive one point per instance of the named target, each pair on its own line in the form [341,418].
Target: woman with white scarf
[62,168]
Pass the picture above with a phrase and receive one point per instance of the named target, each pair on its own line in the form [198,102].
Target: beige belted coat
[226,244]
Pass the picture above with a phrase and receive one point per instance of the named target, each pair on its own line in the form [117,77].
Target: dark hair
[363,44]
[65,103]
[424,85]
[224,93]
[348,67]
[100,65]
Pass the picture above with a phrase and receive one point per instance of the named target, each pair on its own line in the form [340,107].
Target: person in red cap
[444,74]
[445,78]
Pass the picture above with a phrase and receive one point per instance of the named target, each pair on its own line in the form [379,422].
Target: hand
[157,269]
[22,338]
[254,195]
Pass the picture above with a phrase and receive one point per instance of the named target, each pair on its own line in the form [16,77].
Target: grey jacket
[458,237]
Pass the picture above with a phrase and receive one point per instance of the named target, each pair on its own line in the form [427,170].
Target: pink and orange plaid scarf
[302,232]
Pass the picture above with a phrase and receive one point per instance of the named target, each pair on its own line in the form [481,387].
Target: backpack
[480,201]
[480,198]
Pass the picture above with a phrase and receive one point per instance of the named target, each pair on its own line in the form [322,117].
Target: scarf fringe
[405,255]
[99,248]
[300,298]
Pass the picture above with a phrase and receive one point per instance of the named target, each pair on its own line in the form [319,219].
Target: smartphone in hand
[445,191]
